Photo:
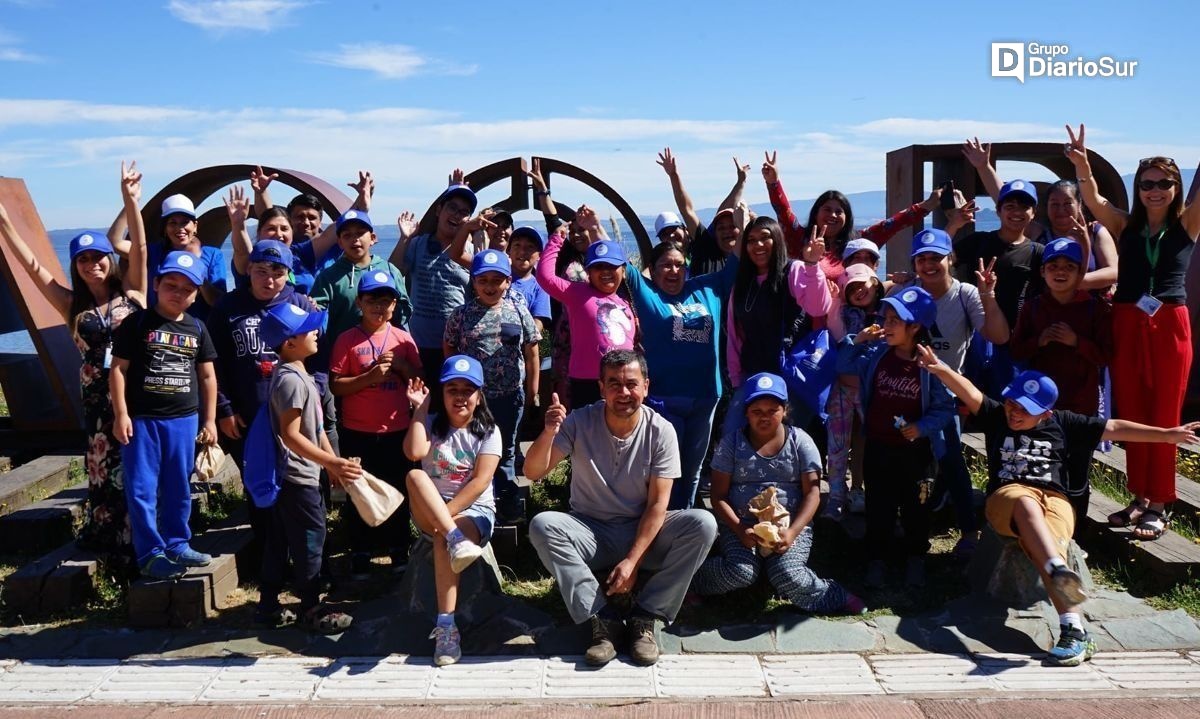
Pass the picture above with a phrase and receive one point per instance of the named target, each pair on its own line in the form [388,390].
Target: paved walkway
[245,680]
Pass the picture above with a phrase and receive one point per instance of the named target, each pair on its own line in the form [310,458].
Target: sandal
[327,620]
[1152,525]
[1127,516]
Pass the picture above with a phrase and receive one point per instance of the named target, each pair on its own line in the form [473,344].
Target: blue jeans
[507,410]
[957,479]
[692,419]
[158,465]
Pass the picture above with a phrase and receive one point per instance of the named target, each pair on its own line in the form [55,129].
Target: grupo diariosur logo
[1024,60]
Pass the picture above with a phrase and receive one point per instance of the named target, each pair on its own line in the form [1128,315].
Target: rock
[479,587]
[1000,570]
[1164,630]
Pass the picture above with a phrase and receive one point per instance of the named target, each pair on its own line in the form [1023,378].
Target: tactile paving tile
[1148,670]
[571,677]
[488,678]
[819,674]
[267,678]
[376,678]
[1023,673]
[158,680]
[694,675]
[53,681]
[921,673]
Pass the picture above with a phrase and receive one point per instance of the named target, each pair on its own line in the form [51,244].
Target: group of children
[347,389]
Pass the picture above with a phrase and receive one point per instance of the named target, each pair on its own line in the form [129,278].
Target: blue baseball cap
[528,233]
[914,305]
[491,261]
[605,252]
[377,280]
[461,191]
[90,242]
[1034,391]
[934,241]
[286,320]
[765,384]
[1024,188]
[272,251]
[183,263]
[1064,247]
[354,216]
[462,367]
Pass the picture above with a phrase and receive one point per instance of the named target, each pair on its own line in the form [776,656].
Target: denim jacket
[937,404]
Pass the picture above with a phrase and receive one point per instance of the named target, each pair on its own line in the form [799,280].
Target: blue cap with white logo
[354,216]
[491,261]
[90,242]
[1022,188]
[605,252]
[914,305]
[286,320]
[934,241]
[377,280]
[462,367]
[528,233]
[460,191]
[1064,247]
[1034,391]
[272,251]
[183,263]
[765,384]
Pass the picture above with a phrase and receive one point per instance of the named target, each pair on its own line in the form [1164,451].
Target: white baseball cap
[178,205]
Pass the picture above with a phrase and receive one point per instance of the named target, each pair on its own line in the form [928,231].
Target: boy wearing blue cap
[336,287]
[163,390]
[371,364]
[1028,445]
[905,411]
[302,450]
[1066,334]
[495,327]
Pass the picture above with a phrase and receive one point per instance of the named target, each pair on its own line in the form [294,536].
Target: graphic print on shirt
[1029,462]
[453,464]
[691,323]
[172,357]
[616,327]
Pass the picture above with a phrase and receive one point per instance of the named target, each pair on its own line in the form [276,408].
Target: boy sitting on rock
[1028,443]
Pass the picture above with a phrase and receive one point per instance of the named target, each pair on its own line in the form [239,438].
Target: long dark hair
[481,425]
[777,265]
[837,243]
[1137,215]
[271,213]
[81,296]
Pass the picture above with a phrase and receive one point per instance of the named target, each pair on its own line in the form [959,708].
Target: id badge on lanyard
[1148,303]
[108,355]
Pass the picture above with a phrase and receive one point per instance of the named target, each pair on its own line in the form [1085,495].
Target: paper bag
[374,498]
[208,463]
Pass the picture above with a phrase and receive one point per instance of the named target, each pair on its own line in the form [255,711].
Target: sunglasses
[1157,159]
[1147,185]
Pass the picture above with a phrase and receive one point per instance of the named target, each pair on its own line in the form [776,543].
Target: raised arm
[1191,210]
[793,231]
[365,189]
[416,442]
[806,280]
[734,198]
[116,234]
[259,181]
[58,296]
[237,206]
[1113,218]
[461,250]
[1105,249]
[543,455]
[980,157]
[1120,430]
[885,229]
[682,200]
[995,325]
[135,280]
[960,386]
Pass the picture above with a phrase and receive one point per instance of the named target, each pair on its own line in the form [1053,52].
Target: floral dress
[106,525]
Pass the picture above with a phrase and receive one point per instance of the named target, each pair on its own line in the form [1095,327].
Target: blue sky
[410,90]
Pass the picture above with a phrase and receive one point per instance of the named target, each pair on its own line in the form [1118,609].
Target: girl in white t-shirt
[451,493]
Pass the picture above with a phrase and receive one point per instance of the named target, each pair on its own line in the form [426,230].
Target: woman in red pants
[1153,342]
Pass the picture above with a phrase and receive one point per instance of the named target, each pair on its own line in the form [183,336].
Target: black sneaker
[605,635]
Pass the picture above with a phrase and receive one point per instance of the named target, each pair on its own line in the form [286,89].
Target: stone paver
[1164,630]
[376,679]
[736,639]
[1148,670]
[819,674]
[811,634]
[268,679]
[698,675]
[571,677]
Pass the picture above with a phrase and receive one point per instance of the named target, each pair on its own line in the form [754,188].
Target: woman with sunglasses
[1151,363]
[97,302]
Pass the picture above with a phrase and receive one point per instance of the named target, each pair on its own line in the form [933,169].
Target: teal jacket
[335,290]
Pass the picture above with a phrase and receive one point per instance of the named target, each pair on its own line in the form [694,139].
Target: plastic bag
[374,498]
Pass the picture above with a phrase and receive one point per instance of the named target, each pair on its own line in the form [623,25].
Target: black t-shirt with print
[162,381]
[1036,457]
[1018,268]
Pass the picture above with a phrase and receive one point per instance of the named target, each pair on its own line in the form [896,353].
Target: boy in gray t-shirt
[298,515]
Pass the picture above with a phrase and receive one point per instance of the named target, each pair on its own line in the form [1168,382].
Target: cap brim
[380,288]
[341,225]
[1027,403]
[901,311]
[610,261]
[671,226]
[760,393]
[314,321]
[939,251]
[460,375]
[1023,193]
[527,233]
[179,212]
[192,277]
[463,192]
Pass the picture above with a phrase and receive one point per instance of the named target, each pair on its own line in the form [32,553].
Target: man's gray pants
[576,548]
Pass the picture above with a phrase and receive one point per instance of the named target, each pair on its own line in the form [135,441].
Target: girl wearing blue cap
[905,409]
[94,306]
[451,494]
[769,453]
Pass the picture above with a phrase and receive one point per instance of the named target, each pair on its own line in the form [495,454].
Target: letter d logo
[1008,60]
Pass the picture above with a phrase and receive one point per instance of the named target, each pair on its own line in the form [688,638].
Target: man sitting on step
[1028,442]
[624,460]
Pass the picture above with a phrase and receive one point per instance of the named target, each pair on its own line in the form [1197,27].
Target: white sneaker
[858,502]
[447,647]
[463,553]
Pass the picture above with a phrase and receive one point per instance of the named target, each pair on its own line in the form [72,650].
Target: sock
[1071,619]
[454,536]
[1054,563]
[445,620]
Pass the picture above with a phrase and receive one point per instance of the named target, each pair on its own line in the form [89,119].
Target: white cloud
[255,15]
[9,52]
[922,130]
[60,112]
[391,62]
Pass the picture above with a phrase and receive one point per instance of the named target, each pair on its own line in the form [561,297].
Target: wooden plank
[24,589]
[32,482]
[1186,491]
[43,525]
